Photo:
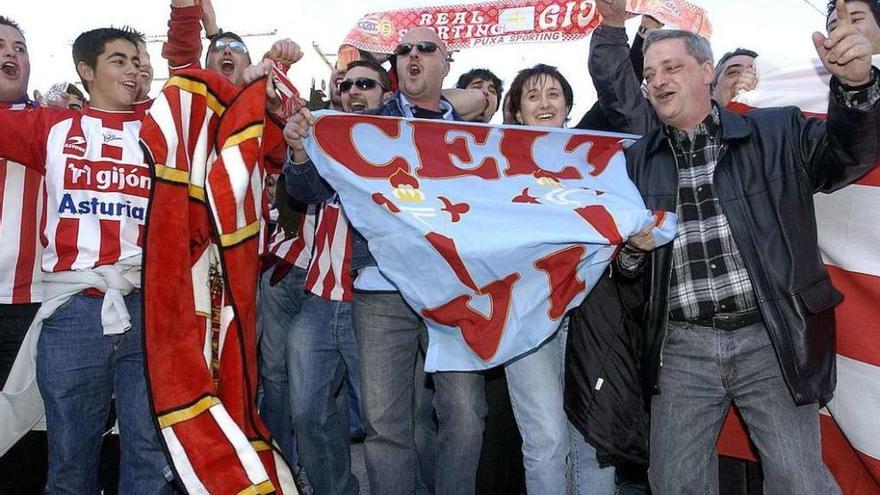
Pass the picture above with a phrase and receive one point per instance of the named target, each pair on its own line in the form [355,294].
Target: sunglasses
[233,45]
[363,83]
[422,46]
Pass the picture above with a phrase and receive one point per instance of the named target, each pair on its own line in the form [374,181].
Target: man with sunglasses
[227,54]
[389,333]
[319,343]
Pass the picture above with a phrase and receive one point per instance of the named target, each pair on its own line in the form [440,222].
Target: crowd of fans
[736,310]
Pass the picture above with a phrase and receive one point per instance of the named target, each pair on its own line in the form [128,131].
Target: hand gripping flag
[204,141]
[490,233]
[848,235]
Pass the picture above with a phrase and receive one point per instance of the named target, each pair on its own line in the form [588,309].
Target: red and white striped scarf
[205,141]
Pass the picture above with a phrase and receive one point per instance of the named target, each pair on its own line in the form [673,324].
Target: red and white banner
[511,21]
[849,233]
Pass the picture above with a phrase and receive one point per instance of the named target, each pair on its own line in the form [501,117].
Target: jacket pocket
[820,297]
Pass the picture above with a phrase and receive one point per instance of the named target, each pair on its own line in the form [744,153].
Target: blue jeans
[534,381]
[703,371]
[79,370]
[321,355]
[279,305]
[587,477]
[389,337]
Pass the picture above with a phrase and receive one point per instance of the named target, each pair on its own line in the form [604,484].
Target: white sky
[779,29]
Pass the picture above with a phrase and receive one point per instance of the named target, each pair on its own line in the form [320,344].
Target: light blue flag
[491,233]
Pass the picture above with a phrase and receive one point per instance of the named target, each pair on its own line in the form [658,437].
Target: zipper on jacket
[669,273]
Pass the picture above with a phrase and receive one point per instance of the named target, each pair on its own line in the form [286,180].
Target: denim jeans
[79,369]
[587,477]
[279,305]
[389,337]
[535,383]
[321,356]
[703,371]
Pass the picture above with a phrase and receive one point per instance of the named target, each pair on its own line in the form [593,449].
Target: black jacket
[772,162]
[604,396]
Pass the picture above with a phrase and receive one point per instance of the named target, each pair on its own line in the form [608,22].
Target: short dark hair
[540,70]
[140,36]
[5,21]
[90,44]
[384,78]
[873,4]
[484,74]
[727,56]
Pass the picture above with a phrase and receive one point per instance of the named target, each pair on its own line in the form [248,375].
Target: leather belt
[730,321]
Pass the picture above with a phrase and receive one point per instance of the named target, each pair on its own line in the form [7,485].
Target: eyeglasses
[422,46]
[363,83]
[233,45]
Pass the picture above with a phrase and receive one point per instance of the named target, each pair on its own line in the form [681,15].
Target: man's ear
[85,71]
[708,72]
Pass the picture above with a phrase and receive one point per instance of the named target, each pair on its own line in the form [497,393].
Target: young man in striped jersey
[90,345]
[22,469]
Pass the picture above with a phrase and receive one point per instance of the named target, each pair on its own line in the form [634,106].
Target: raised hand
[845,53]
[296,129]
[613,12]
[748,81]
[285,51]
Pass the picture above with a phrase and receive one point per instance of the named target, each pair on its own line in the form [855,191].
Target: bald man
[389,333]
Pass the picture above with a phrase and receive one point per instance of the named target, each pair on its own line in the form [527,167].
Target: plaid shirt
[708,273]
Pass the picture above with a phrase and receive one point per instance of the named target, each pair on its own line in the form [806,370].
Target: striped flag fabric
[204,141]
[849,236]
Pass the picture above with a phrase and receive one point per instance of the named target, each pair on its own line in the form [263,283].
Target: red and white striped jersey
[329,272]
[97,185]
[323,248]
[21,207]
[296,249]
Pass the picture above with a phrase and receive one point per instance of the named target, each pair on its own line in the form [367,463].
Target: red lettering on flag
[516,146]
[601,152]
[599,218]
[481,333]
[337,129]
[436,152]
[446,247]
[561,270]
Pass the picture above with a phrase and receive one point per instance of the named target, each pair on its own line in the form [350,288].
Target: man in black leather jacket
[740,307]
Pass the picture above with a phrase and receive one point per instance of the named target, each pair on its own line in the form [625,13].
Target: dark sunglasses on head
[422,46]
[234,45]
[363,83]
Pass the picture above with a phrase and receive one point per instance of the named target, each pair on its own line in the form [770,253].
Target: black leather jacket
[772,162]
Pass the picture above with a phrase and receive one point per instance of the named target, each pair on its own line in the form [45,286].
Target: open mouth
[544,117]
[130,85]
[227,66]
[665,96]
[414,70]
[10,69]
[357,105]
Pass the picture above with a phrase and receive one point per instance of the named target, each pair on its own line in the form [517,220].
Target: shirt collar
[408,108]
[710,127]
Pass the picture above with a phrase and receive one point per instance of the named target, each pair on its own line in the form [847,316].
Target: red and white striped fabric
[329,272]
[323,248]
[97,185]
[205,138]
[849,233]
[296,249]
[21,207]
